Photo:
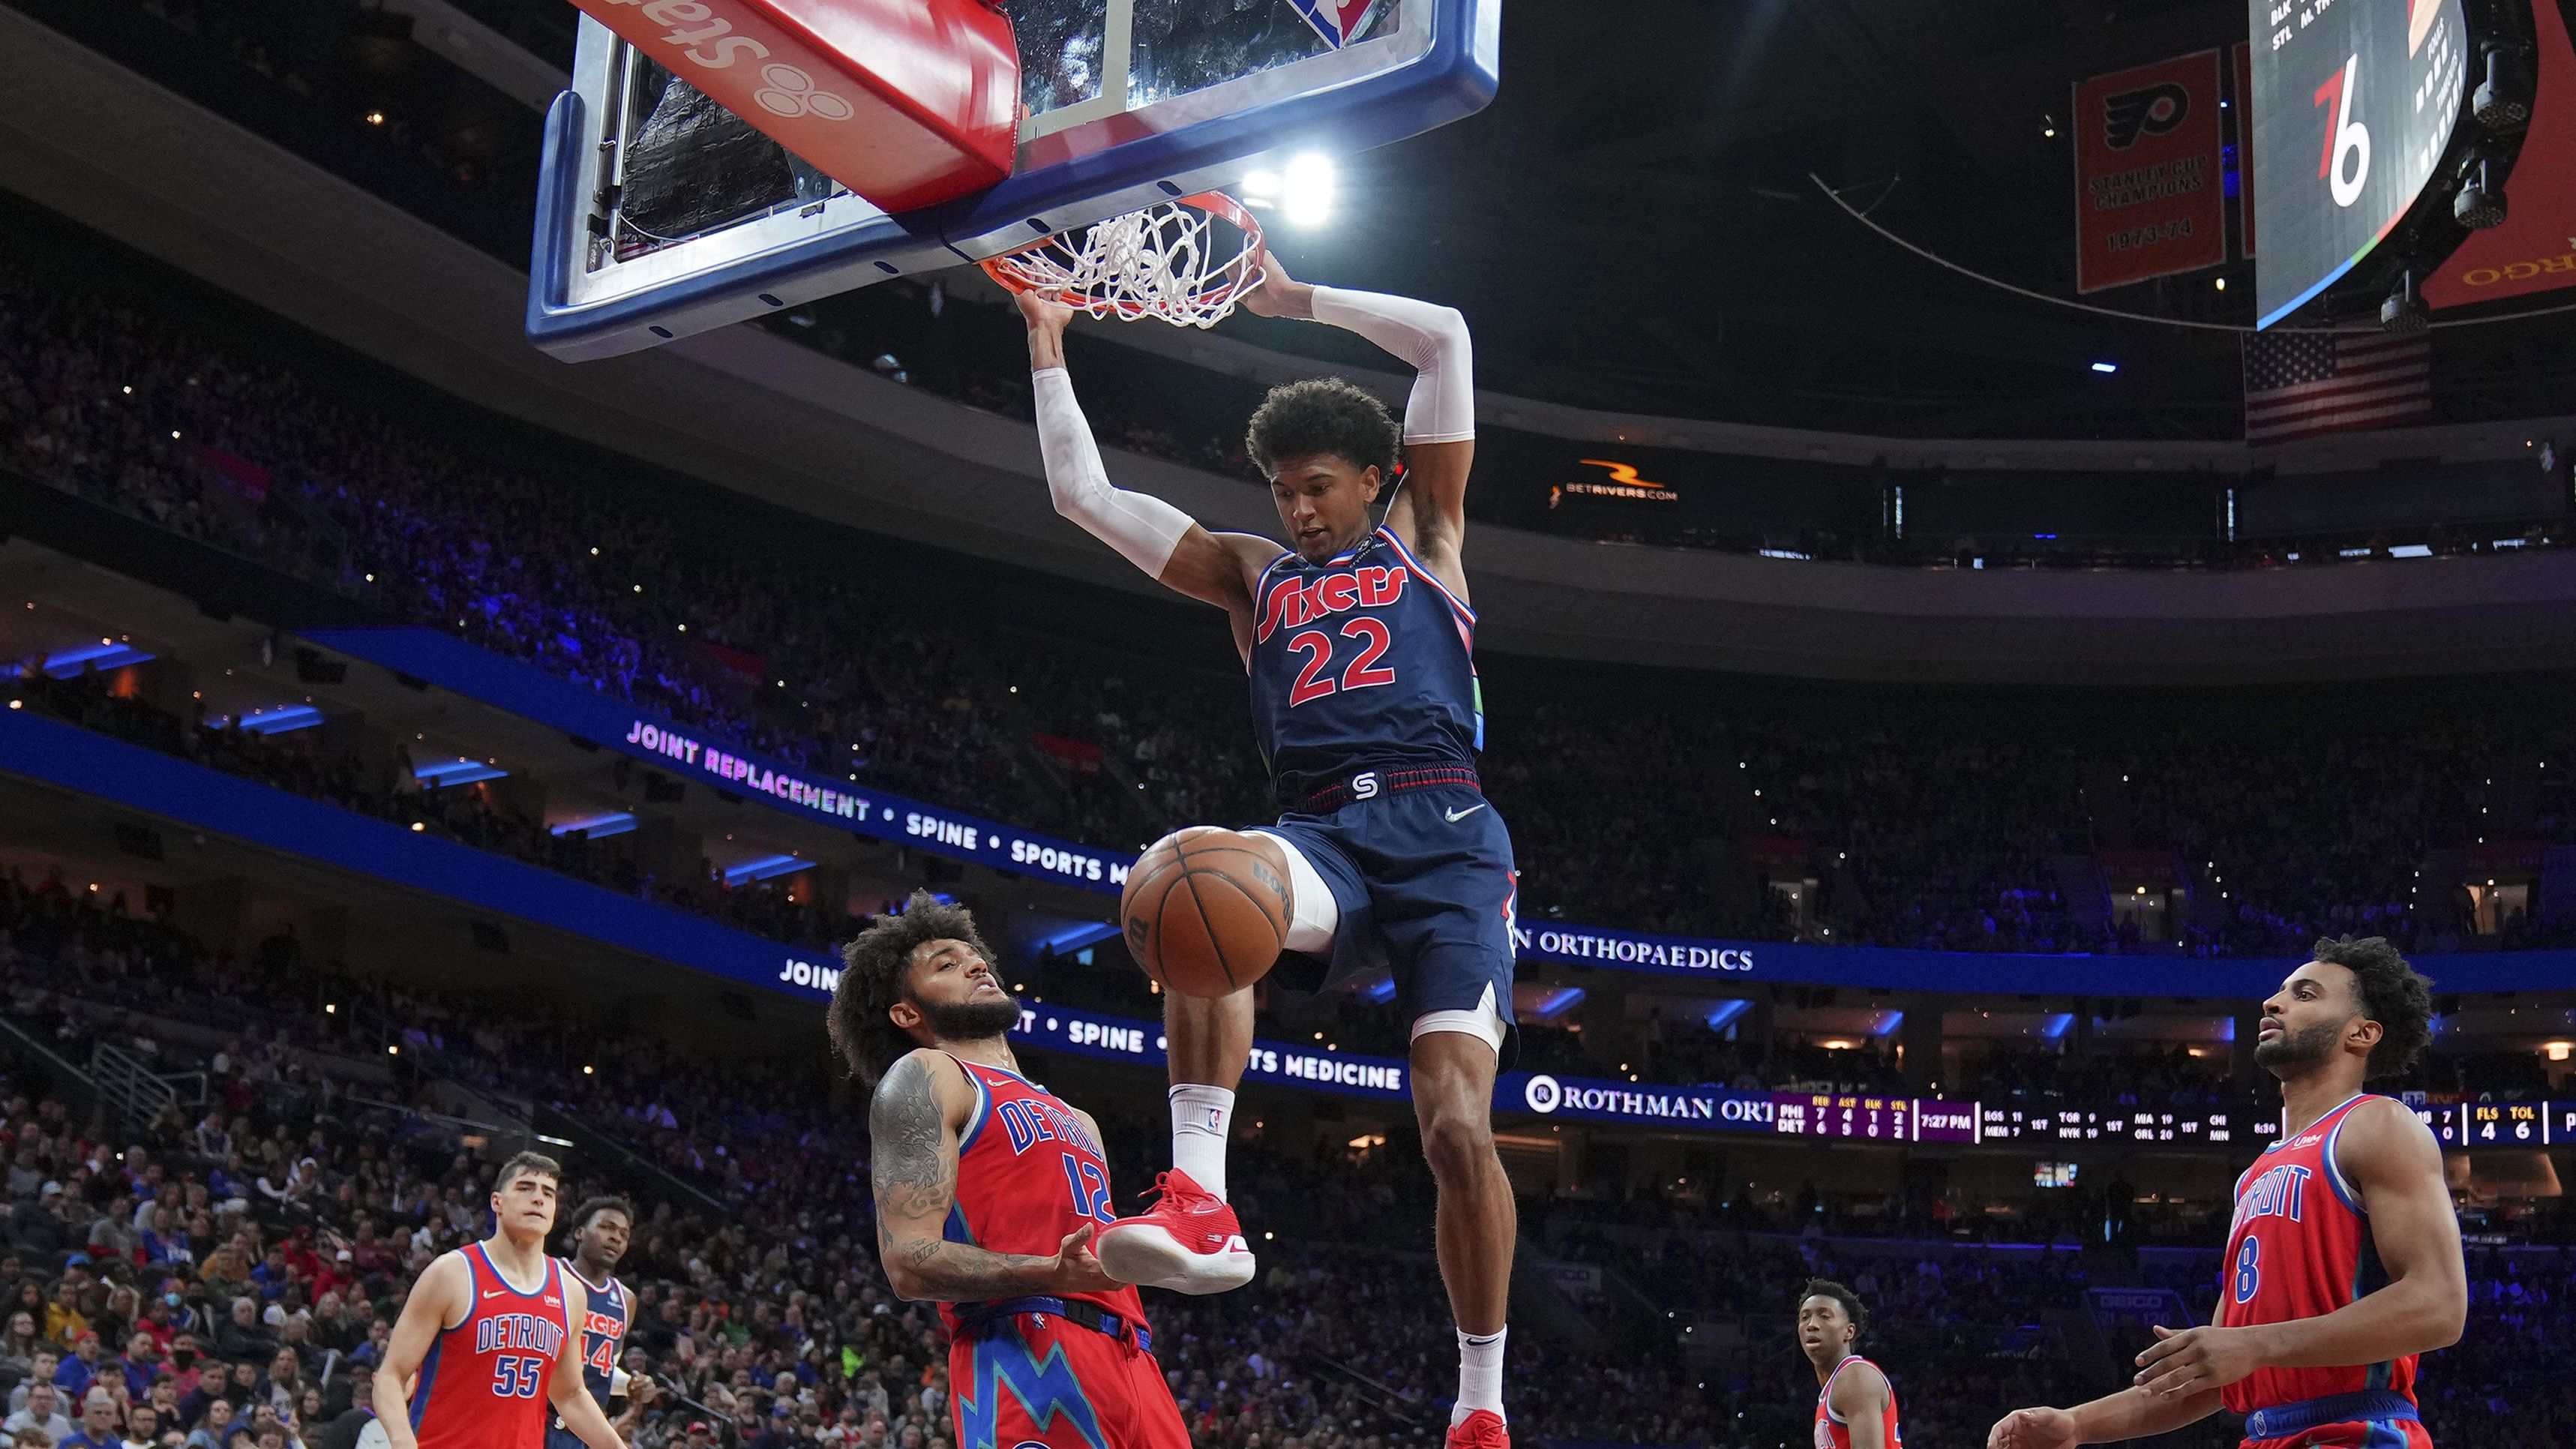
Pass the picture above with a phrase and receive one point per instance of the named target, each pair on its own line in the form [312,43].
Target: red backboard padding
[905,102]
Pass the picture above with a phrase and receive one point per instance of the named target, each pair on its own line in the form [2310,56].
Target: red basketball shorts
[1034,1379]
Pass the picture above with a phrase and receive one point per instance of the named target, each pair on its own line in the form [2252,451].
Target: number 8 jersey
[1028,1174]
[1363,659]
[484,1382]
[2300,1247]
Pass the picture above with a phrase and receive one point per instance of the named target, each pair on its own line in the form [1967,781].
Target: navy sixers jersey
[1364,659]
[604,1334]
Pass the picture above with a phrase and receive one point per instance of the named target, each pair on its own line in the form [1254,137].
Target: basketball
[1205,912]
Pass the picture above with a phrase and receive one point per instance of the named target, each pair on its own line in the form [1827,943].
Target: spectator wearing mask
[43,1412]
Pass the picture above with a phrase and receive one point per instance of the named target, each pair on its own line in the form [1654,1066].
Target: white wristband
[1143,529]
[1442,408]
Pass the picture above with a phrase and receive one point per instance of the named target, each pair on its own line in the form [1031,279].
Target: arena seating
[260,453]
[753,1260]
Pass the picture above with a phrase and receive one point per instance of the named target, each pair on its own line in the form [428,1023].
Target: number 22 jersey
[1363,659]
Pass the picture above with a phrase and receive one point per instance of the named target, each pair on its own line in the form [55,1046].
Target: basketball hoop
[1172,260]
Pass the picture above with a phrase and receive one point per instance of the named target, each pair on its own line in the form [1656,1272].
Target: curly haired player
[2343,1263]
[989,1191]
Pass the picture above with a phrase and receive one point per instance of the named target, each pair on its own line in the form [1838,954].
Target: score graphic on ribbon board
[2354,103]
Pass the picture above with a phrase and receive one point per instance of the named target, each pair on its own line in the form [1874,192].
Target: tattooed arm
[912,1130]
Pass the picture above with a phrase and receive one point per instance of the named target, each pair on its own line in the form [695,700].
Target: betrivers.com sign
[1631,951]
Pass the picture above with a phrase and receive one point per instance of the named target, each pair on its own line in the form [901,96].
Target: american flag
[2300,384]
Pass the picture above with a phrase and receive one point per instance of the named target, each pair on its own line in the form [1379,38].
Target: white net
[1186,262]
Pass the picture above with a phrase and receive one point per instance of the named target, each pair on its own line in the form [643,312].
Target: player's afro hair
[2392,993]
[872,980]
[1322,415]
[1852,1309]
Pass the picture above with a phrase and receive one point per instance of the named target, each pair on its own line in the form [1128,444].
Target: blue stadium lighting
[280,719]
[69,663]
[2106,367]
[1886,1023]
[456,772]
[2227,1031]
[767,867]
[1724,1013]
[2056,1027]
[597,827]
[1555,1004]
[1088,934]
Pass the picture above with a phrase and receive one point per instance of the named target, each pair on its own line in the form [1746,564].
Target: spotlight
[2404,310]
[2480,203]
[2106,367]
[1307,190]
[2502,102]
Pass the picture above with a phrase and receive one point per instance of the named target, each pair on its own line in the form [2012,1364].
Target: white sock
[1480,1374]
[1201,1117]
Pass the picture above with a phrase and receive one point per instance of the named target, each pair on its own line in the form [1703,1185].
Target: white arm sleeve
[1434,339]
[1142,528]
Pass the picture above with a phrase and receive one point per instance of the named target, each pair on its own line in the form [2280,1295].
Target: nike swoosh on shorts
[1454,816]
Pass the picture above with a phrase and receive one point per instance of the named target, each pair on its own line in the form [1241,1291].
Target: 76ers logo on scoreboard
[1339,21]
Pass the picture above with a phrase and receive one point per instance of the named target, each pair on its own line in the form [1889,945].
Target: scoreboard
[1867,1117]
[2354,104]
[2500,1124]
[2139,1126]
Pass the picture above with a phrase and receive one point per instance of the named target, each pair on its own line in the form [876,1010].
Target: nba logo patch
[1339,22]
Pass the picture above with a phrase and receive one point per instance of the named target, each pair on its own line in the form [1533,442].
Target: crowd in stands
[852,658]
[250,1249]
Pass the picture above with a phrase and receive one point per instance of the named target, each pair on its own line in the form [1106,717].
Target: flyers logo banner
[2150,197]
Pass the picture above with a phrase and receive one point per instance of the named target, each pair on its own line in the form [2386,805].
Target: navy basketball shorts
[1425,885]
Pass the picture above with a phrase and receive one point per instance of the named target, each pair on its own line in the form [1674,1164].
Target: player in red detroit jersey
[488,1337]
[989,1189]
[1855,1408]
[1358,645]
[2343,1262]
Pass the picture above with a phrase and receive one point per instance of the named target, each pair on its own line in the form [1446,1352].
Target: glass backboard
[661,214]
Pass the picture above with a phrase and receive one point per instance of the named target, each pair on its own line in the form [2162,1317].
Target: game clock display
[1867,1117]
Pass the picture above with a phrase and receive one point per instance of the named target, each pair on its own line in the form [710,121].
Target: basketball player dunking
[1855,1408]
[989,1191]
[473,1360]
[601,1229]
[2343,1262]
[1358,639]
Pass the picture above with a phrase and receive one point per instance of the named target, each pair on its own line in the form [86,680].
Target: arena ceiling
[1631,225]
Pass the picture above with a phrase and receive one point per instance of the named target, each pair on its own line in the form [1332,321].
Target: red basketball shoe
[1189,1243]
[1482,1429]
